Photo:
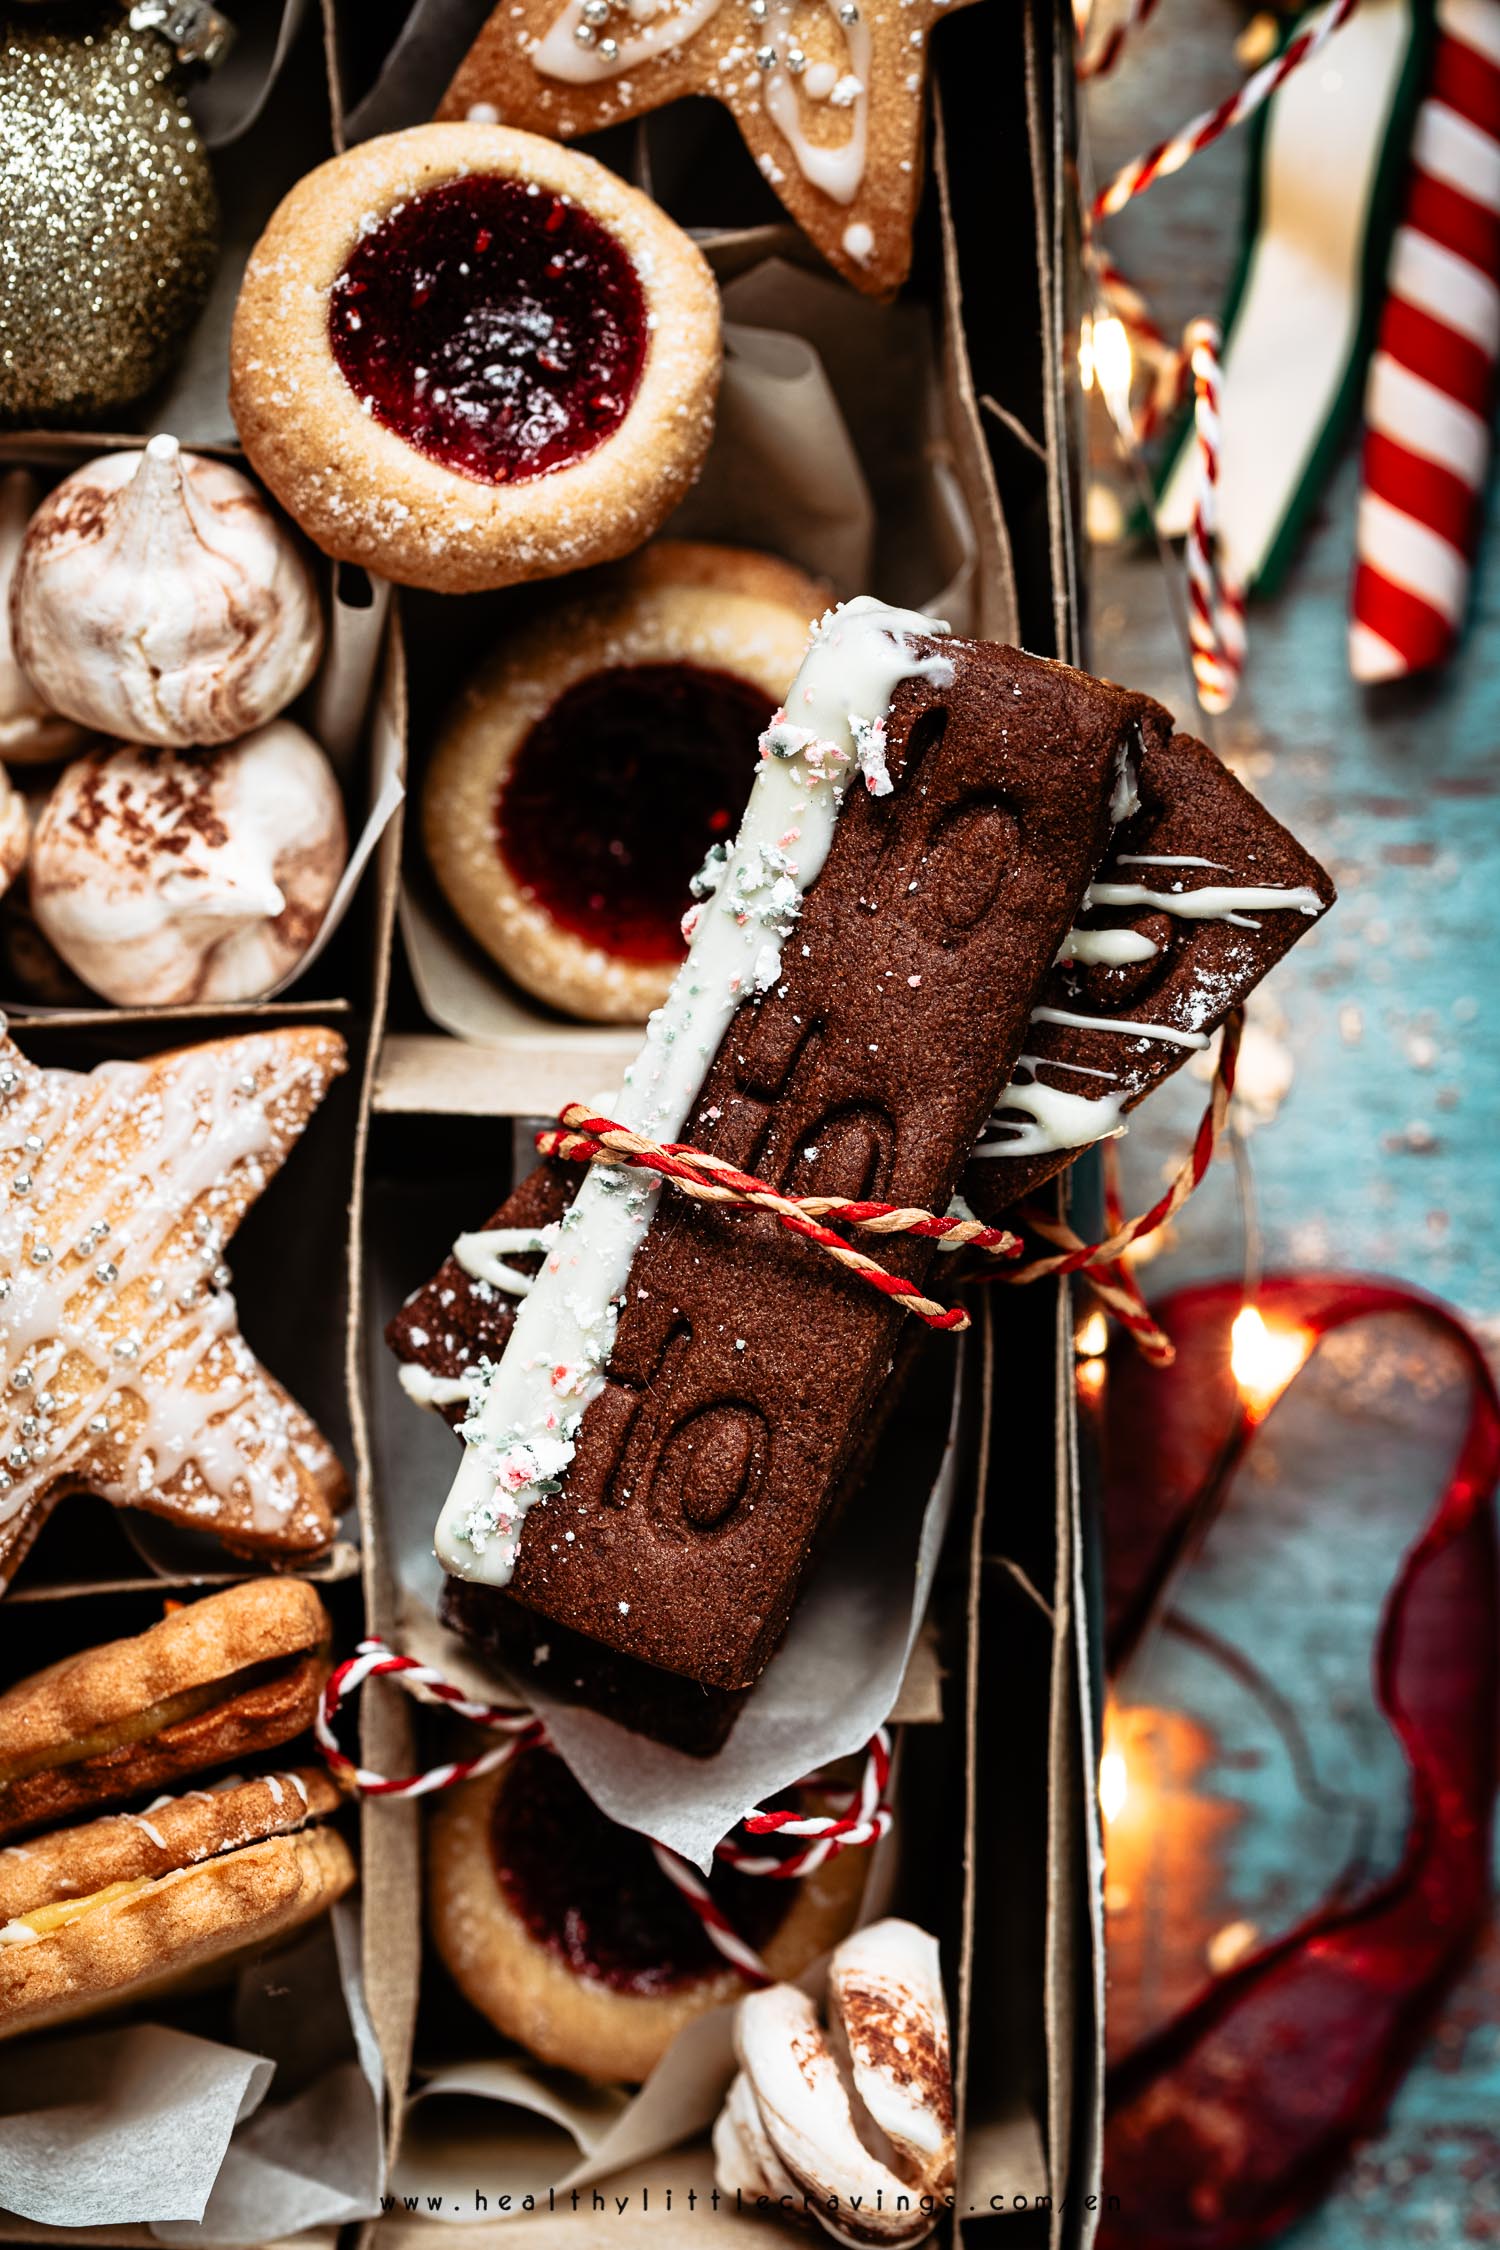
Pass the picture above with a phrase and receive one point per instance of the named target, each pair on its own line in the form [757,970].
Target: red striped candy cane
[1431,387]
[1170,155]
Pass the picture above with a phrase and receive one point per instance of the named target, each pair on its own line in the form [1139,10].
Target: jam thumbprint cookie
[464,356]
[592,765]
[562,1929]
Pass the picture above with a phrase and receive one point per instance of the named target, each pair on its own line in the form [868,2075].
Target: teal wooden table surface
[1374,1058]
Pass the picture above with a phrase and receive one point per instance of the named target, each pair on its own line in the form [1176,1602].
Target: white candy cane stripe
[719,1930]
[1216,610]
[1416,414]
[1169,156]
[1431,387]
[1107,53]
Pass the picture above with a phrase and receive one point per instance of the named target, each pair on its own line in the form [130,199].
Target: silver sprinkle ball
[108,218]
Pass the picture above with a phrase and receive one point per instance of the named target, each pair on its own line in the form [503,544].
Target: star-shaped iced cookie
[829,95]
[122,1369]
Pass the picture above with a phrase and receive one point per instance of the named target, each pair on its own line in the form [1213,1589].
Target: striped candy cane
[865,1816]
[1431,386]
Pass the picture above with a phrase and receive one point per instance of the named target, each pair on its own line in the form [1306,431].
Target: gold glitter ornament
[108,218]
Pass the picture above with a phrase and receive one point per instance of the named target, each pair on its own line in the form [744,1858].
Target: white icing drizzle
[1213,902]
[561,54]
[1164,1031]
[839,170]
[277,1792]
[480,1255]
[593,41]
[426,1389]
[1125,797]
[1111,949]
[296,1782]
[139,1820]
[1058,1120]
[1168,859]
[526,1409]
[120,1355]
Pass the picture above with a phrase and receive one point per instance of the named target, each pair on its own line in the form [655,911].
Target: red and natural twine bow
[584,1138]
[863,1818]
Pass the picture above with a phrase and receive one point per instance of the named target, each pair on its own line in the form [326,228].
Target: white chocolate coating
[522,1425]
[162,878]
[30,734]
[158,599]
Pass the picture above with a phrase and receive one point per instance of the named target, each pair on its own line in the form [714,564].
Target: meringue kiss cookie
[158,599]
[163,877]
[30,734]
[15,831]
[852,2124]
[561,1927]
[464,356]
[593,762]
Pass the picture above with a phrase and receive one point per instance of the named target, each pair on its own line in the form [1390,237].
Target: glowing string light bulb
[1114,370]
[1264,1359]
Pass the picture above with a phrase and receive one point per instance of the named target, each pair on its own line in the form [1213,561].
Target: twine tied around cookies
[581,1136]
[862,1817]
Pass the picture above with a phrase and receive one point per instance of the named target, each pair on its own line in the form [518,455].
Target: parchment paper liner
[203,2141]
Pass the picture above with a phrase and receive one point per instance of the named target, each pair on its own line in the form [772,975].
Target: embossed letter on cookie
[828,94]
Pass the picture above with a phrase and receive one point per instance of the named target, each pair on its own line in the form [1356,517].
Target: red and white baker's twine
[583,1138]
[1216,605]
[372,1659]
[1201,132]
[1216,608]
[865,1817]
[1104,57]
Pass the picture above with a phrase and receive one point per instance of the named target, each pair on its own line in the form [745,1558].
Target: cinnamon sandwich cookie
[562,1929]
[215,1681]
[464,356]
[598,757]
[124,1908]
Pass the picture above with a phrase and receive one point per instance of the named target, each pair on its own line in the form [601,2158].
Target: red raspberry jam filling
[593,1894]
[617,793]
[496,327]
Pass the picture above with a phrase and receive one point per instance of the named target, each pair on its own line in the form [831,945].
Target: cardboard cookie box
[851,438]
